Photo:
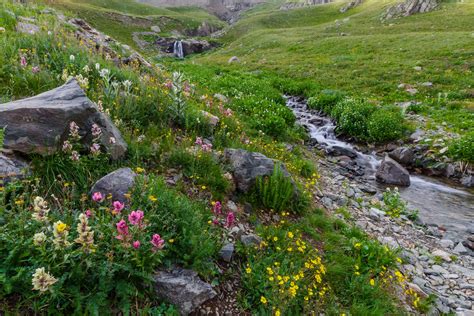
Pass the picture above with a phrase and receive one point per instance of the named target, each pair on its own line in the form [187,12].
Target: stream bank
[434,256]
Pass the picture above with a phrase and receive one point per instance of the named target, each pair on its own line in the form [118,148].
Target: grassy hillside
[356,51]
[120,19]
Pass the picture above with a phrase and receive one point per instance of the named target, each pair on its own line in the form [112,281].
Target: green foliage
[275,192]
[353,260]
[202,168]
[353,118]
[463,148]
[325,100]
[94,270]
[285,273]
[195,242]
[385,124]
[394,205]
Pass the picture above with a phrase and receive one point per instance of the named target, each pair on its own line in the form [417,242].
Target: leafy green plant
[394,205]
[325,100]
[463,148]
[275,192]
[385,124]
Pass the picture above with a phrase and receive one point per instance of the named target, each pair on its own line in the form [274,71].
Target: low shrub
[354,118]
[385,124]
[463,148]
[325,100]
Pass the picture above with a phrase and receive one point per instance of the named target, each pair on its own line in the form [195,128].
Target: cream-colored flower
[85,234]
[40,209]
[39,239]
[42,281]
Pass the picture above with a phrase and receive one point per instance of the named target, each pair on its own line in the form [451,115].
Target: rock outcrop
[410,7]
[190,46]
[183,288]
[352,4]
[117,184]
[391,172]
[105,45]
[40,124]
[302,3]
[248,166]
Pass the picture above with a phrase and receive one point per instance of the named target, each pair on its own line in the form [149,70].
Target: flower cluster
[60,233]
[85,234]
[290,272]
[205,146]
[42,280]
[71,145]
[218,219]
[40,209]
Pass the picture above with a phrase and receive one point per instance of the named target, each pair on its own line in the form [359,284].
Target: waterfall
[178,49]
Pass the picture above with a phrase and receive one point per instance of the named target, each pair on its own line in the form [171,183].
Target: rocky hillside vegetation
[315,162]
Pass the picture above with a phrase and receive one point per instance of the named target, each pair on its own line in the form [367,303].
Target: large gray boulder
[40,124]
[248,166]
[391,172]
[403,155]
[117,183]
[410,7]
[183,288]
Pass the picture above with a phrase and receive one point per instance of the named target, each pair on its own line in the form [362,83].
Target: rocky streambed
[436,249]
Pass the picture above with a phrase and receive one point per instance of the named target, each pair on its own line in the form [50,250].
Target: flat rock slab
[116,183]
[40,124]
[183,288]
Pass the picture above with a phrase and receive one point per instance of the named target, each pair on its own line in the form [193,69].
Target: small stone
[446,243]
[417,68]
[234,59]
[442,254]
[376,214]
[227,252]
[460,249]
[232,206]
[412,91]
[155,28]
[250,240]
[427,84]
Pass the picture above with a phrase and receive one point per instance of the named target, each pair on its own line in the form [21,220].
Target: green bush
[354,119]
[385,124]
[463,148]
[325,100]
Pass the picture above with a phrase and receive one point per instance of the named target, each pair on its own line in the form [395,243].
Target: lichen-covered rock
[391,172]
[183,288]
[410,7]
[40,124]
[117,183]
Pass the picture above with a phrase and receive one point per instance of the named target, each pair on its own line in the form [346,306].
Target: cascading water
[438,203]
[178,49]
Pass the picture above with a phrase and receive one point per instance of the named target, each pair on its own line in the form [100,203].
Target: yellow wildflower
[263,300]
[372,282]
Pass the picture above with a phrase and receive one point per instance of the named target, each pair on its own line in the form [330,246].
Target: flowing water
[178,49]
[439,203]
